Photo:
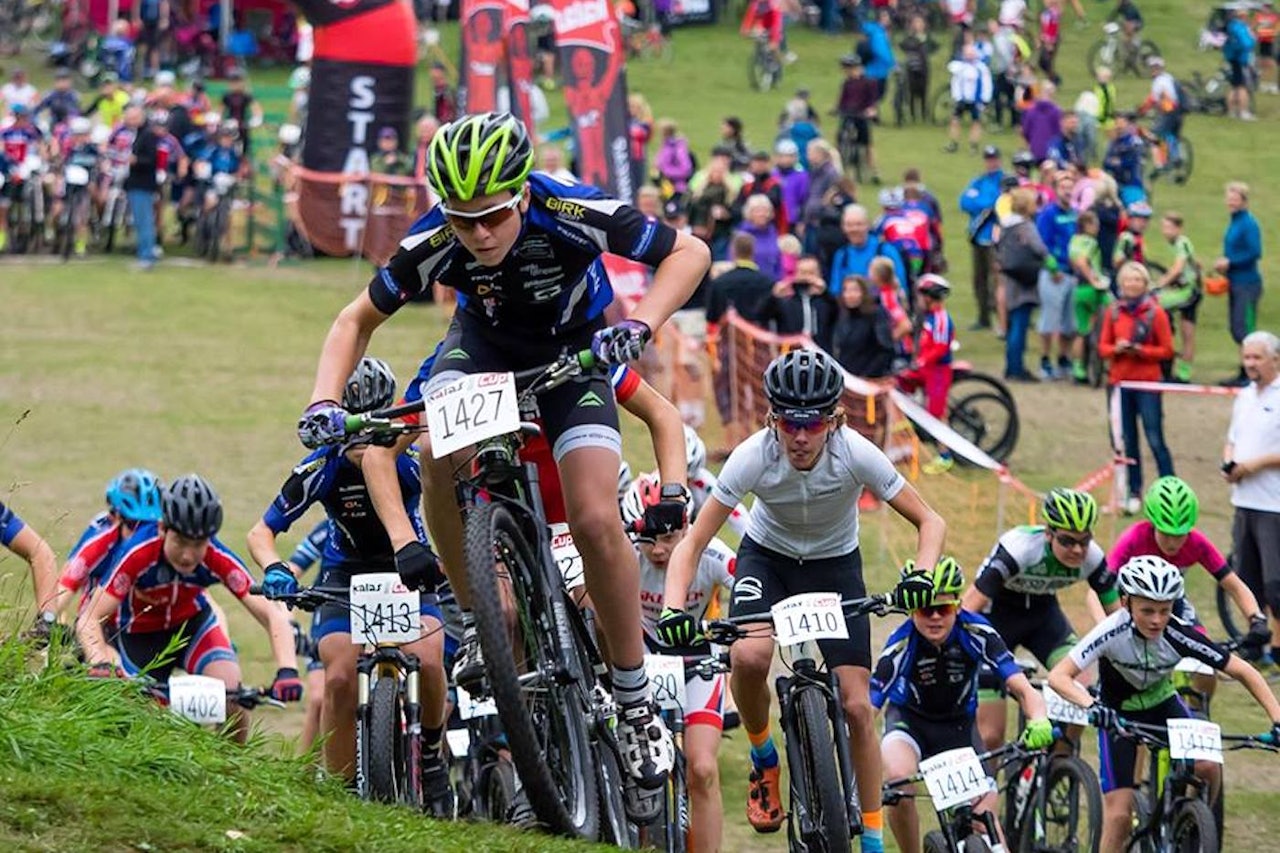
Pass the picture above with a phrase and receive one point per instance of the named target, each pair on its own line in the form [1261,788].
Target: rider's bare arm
[683,564]
[931,530]
[345,344]
[674,281]
[379,467]
[665,428]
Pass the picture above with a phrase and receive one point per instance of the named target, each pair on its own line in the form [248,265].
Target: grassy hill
[194,368]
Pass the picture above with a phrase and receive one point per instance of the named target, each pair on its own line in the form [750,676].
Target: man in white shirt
[1251,463]
[18,91]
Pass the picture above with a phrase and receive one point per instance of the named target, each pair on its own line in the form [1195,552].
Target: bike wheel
[936,842]
[614,828]
[1072,816]
[1141,817]
[1193,827]
[979,382]
[499,781]
[1101,53]
[386,760]
[941,106]
[1094,366]
[975,844]
[1146,51]
[819,780]
[1185,164]
[540,687]
[988,421]
[669,834]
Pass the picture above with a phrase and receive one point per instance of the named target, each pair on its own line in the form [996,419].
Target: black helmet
[1024,159]
[191,507]
[370,387]
[803,381]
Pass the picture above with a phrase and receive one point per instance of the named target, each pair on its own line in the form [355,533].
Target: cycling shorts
[929,737]
[314,663]
[1118,756]
[861,130]
[765,577]
[1041,629]
[1087,301]
[580,413]
[704,701]
[972,109]
[10,192]
[203,641]
[1266,49]
[334,618]
[1189,308]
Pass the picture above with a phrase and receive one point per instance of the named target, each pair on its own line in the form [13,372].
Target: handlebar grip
[256,589]
[355,423]
[586,359]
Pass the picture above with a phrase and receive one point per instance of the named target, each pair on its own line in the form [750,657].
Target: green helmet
[1069,509]
[947,576]
[1172,506]
[479,155]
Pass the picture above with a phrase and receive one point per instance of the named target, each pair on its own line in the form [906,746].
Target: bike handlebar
[725,631]
[244,696]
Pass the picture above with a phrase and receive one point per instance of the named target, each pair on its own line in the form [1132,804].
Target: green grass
[193,368]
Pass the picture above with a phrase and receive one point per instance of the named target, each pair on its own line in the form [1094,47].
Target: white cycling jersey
[715,569]
[806,514]
[702,484]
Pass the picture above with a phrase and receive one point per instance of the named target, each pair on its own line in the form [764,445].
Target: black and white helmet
[803,381]
[695,451]
[1152,577]
[191,507]
[372,386]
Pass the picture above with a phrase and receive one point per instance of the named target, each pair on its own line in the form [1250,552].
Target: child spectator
[1093,288]
[931,369]
[1131,245]
[1179,290]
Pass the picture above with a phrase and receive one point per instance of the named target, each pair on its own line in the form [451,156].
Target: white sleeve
[871,467]
[721,561]
[1089,650]
[741,472]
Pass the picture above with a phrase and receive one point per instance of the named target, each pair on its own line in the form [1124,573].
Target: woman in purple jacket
[674,162]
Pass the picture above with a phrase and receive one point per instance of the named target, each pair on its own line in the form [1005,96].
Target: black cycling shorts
[765,577]
[580,413]
[860,127]
[1118,756]
[930,737]
[1238,75]
[972,109]
[1042,629]
[1266,49]
[1191,308]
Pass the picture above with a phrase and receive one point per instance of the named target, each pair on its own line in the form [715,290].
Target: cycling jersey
[94,555]
[806,514]
[357,541]
[120,146]
[716,568]
[154,596]
[62,104]
[1129,247]
[552,281]
[1140,540]
[168,152]
[18,140]
[701,485]
[970,82]
[1134,672]
[222,159]
[10,525]
[311,548]
[1164,93]
[1021,568]
[939,683]
[86,155]
[937,332]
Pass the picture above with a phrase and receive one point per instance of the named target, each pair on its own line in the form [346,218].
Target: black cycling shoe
[437,790]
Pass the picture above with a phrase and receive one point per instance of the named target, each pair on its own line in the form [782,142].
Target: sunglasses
[1072,542]
[937,610]
[791,426]
[490,217]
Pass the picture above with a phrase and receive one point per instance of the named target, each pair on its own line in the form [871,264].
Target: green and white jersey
[1022,564]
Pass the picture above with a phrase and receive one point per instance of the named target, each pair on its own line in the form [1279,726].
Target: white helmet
[641,492]
[289,134]
[100,135]
[695,451]
[624,479]
[80,125]
[1152,577]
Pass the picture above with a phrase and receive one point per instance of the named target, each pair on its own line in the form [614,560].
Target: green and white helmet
[478,155]
[1069,509]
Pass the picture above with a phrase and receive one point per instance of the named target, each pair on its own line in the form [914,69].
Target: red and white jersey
[716,568]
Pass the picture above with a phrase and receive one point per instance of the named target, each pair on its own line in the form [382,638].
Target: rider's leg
[1211,773]
[1117,818]
[228,672]
[898,753]
[314,707]
[434,690]
[992,719]
[701,743]
[855,698]
[338,719]
[749,660]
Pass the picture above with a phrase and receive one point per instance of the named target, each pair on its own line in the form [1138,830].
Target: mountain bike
[214,218]
[824,812]
[1161,161]
[487,786]
[388,718]
[1171,809]
[955,780]
[76,206]
[853,154]
[550,682]
[1122,54]
[115,210]
[982,409]
[764,71]
[26,213]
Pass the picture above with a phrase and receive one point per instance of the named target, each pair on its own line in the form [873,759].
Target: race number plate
[383,610]
[471,409]
[811,616]
[76,176]
[1196,740]
[566,555]
[666,674]
[954,777]
[1062,711]
[1193,666]
[199,698]
[469,707]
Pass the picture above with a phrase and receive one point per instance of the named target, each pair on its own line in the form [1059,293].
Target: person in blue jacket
[1241,251]
[979,201]
[1056,223]
[863,247]
[879,47]
[1237,50]
[1123,160]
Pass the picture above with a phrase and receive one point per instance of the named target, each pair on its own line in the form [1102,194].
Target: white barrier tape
[954,441]
[1178,388]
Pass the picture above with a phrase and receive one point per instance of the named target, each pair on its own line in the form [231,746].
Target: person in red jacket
[931,369]
[1137,338]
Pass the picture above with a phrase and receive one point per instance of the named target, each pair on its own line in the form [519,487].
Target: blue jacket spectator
[855,256]
[1240,42]
[1242,247]
[979,200]
[1241,251]
[880,47]
[1057,225]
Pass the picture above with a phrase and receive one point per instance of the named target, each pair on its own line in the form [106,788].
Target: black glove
[914,591]
[418,567]
[1103,717]
[666,516]
[676,627]
[288,686]
[1259,632]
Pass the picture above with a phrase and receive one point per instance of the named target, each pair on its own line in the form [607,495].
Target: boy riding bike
[1016,588]
[157,588]
[357,544]
[523,250]
[1136,649]
[927,683]
[807,471]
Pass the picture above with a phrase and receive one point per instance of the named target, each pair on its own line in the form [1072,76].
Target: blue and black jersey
[551,282]
[311,548]
[10,525]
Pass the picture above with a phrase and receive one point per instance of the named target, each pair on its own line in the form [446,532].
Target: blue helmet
[134,495]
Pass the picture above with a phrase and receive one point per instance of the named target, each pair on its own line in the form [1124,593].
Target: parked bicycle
[982,409]
[1122,54]
[823,811]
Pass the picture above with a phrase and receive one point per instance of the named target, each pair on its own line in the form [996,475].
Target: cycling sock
[431,740]
[468,620]
[763,753]
[872,840]
[630,685]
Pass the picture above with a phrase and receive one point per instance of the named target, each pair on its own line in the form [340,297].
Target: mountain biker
[156,593]
[1123,159]
[926,680]
[1131,243]
[78,151]
[357,544]
[704,699]
[931,368]
[19,140]
[22,539]
[133,499]
[1169,532]
[971,92]
[1016,588]
[807,470]
[856,107]
[1167,98]
[1136,649]
[523,251]
[1178,290]
[62,101]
